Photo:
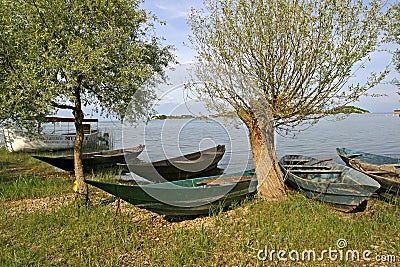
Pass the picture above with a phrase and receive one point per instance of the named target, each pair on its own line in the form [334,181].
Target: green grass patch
[22,176]
[35,186]
[87,236]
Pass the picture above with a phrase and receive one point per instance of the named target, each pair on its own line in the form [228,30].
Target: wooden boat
[347,154]
[195,196]
[338,185]
[385,170]
[94,160]
[183,167]
[53,138]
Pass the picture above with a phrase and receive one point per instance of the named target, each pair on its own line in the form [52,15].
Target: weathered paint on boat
[184,197]
[339,186]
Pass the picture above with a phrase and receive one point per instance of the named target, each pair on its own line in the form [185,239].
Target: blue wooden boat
[347,154]
[342,187]
[384,169]
[186,197]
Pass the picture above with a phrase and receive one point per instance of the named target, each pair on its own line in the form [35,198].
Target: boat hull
[184,197]
[20,142]
[183,167]
[337,185]
[385,170]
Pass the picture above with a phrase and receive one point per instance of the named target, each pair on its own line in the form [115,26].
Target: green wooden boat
[186,197]
[342,187]
[384,169]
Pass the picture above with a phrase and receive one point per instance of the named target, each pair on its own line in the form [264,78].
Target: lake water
[375,133]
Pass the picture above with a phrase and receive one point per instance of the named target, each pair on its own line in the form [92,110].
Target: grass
[22,176]
[60,232]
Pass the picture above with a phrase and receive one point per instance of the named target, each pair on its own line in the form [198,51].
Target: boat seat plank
[377,172]
[353,155]
[225,180]
[392,165]
[185,161]
[297,160]
[315,171]
[305,167]
[102,156]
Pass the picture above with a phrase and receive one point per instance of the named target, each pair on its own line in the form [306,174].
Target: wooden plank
[376,172]
[103,156]
[315,171]
[305,167]
[185,161]
[296,161]
[392,165]
[353,155]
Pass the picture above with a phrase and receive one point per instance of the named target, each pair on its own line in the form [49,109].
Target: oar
[320,161]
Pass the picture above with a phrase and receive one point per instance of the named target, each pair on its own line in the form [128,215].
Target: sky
[176,32]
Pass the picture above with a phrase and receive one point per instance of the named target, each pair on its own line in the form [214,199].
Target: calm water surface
[375,133]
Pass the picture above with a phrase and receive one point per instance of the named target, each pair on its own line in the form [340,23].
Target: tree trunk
[82,188]
[270,180]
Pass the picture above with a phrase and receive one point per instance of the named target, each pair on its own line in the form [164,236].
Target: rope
[323,191]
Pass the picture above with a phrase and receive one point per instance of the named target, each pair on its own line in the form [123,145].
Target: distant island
[191,116]
[348,110]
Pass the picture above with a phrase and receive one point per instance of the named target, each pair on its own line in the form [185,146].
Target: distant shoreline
[343,110]
[182,117]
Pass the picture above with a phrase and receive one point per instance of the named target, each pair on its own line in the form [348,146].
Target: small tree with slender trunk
[282,64]
[58,54]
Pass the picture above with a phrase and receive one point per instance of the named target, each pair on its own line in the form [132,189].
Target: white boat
[58,137]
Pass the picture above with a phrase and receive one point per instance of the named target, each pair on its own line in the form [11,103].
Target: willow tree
[62,54]
[393,30]
[282,64]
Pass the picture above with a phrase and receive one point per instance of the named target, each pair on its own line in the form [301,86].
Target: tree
[282,64]
[17,105]
[394,34]
[58,54]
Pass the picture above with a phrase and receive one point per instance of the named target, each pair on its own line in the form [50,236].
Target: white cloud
[167,9]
